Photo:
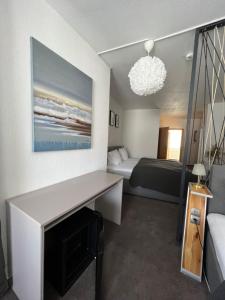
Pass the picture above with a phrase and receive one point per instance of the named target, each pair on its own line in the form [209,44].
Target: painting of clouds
[62,102]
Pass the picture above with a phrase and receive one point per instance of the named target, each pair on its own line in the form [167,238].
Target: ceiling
[106,24]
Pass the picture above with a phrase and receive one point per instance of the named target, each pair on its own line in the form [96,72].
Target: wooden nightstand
[194,231]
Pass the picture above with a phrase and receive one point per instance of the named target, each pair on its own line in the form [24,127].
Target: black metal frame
[211,26]
[201,30]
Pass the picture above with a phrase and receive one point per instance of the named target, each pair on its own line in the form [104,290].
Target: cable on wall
[213,65]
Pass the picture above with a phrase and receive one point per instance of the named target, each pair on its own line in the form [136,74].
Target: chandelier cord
[221,61]
[196,98]
[204,104]
[221,138]
[209,44]
[211,106]
[221,88]
[216,85]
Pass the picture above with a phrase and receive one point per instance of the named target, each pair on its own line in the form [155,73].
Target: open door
[163,142]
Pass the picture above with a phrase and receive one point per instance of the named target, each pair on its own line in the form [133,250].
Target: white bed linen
[114,158]
[217,229]
[123,153]
[125,168]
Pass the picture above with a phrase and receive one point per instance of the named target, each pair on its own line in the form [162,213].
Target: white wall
[173,122]
[141,131]
[116,134]
[21,170]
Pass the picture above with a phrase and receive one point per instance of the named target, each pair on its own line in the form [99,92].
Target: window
[174,144]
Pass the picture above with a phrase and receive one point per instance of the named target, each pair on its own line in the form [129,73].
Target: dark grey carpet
[141,260]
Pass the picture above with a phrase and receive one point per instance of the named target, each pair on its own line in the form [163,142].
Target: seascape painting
[62,102]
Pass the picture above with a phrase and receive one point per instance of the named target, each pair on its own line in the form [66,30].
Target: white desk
[31,214]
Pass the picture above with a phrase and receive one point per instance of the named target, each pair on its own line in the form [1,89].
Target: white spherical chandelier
[148,74]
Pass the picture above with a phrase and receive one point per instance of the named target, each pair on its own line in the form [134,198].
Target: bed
[125,168]
[214,261]
[151,178]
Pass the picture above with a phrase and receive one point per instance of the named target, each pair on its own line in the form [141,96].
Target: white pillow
[123,153]
[114,158]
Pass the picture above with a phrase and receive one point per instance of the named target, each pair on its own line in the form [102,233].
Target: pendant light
[148,74]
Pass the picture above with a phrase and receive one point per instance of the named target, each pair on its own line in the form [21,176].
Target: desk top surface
[202,190]
[50,203]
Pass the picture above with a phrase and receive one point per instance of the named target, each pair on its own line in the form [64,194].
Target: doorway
[170,143]
[174,144]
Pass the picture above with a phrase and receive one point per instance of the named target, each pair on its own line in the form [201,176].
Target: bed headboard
[217,186]
[111,148]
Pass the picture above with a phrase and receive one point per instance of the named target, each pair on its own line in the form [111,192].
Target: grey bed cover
[160,175]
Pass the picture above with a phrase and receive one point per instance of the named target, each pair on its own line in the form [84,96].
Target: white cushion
[123,153]
[125,168]
[114,158]
[217,230]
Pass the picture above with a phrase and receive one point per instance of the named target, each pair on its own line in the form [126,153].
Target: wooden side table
[194,231]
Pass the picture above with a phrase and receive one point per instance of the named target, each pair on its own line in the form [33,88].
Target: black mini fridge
[71,246]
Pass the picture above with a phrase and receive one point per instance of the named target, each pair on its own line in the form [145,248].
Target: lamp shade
[147,76]
[199,170]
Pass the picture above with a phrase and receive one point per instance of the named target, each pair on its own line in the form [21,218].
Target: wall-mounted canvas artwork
[62,102]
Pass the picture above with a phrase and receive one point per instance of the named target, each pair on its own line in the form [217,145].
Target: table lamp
[199,170]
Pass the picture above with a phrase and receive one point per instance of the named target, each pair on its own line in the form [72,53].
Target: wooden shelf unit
[192,252]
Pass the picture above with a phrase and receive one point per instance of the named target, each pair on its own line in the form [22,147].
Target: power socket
[195,220]
[195,216]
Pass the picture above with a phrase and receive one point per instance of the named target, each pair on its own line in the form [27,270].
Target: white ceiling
[173,97]
[106,24]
